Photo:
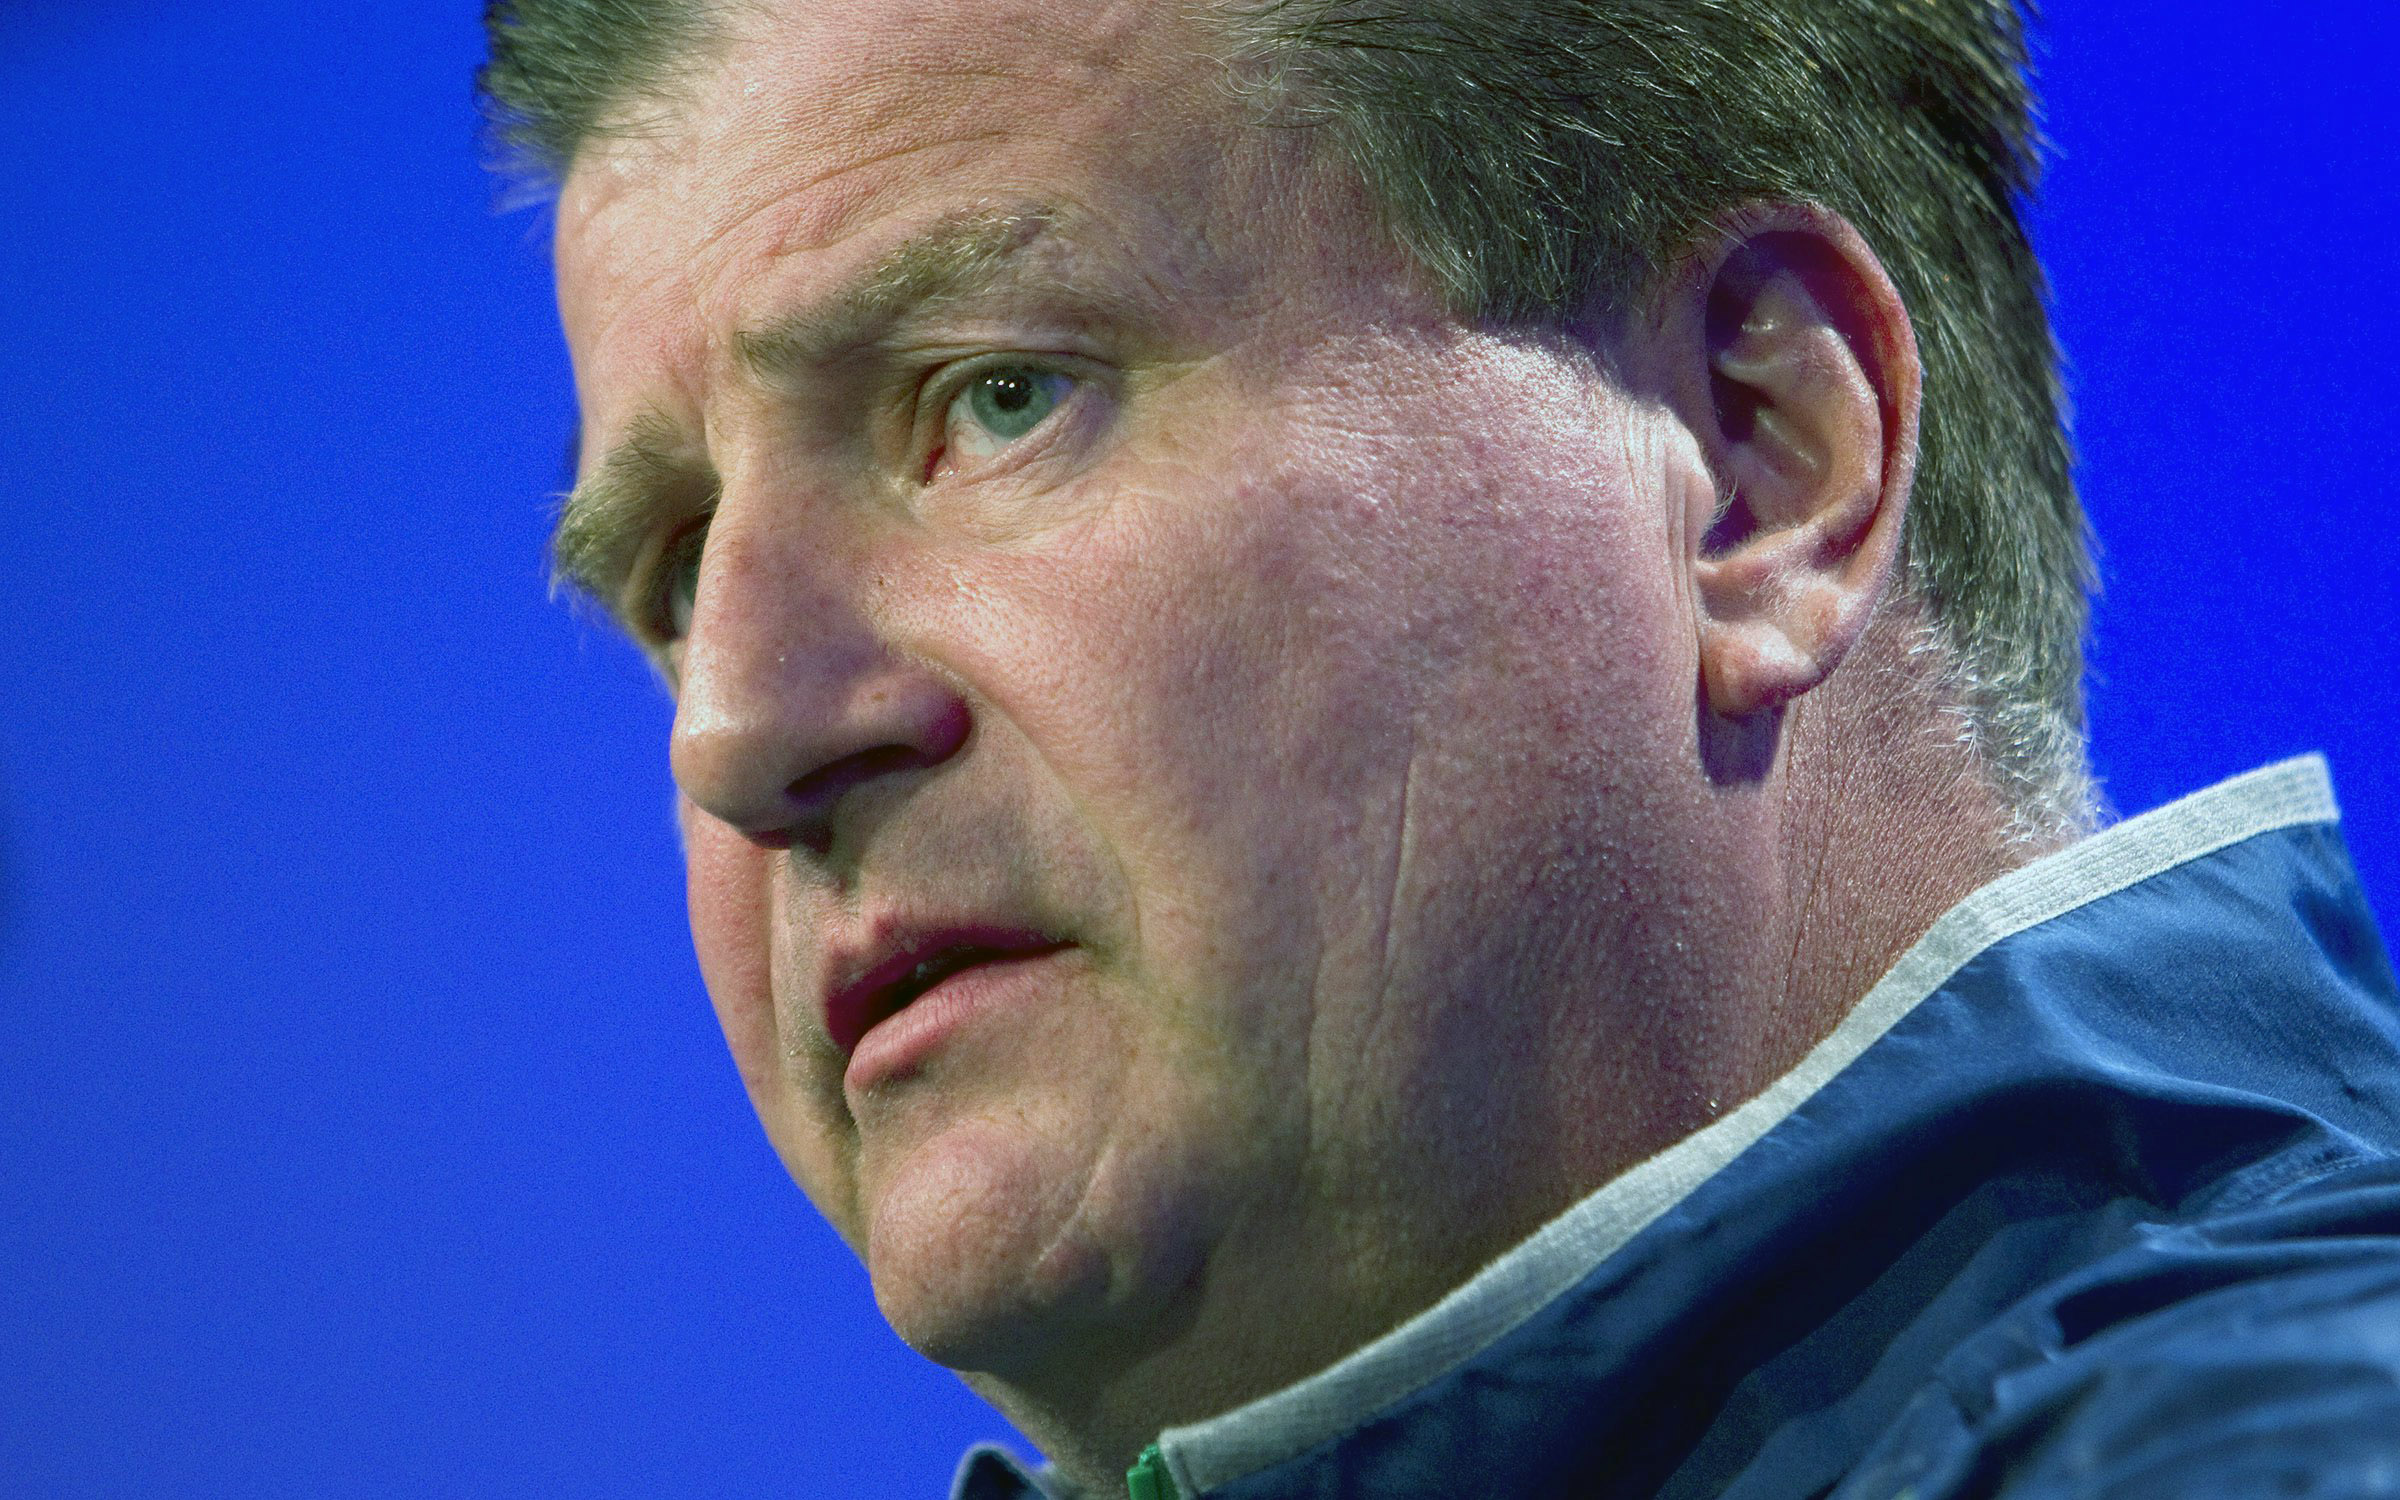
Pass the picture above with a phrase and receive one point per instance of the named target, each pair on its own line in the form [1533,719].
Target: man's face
[1124,587]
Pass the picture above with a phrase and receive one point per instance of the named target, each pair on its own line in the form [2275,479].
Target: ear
[1791,359]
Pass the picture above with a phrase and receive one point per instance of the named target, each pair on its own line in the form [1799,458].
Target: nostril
[816,798]
[811,831]
[776,754]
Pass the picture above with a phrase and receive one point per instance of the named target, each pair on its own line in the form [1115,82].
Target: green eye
[1011,403]
[1001,405]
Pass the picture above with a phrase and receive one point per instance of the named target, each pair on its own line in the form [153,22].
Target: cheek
[725,884]
[1248,681]
[732,900]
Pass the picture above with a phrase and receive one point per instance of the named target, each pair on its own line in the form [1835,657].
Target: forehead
[818,133]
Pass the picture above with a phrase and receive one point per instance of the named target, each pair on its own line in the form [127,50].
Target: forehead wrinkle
[958,255]
[605,518]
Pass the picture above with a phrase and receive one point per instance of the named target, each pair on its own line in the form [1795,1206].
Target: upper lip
[872,981]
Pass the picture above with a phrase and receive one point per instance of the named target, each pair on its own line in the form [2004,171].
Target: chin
[980,1248]
[991,1249]
[989,1330]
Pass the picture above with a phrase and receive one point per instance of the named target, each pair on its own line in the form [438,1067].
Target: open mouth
[892,985]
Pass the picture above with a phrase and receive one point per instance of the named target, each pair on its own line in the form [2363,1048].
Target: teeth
[936,969]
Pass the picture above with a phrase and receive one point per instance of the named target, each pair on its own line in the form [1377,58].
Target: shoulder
[2256,1355]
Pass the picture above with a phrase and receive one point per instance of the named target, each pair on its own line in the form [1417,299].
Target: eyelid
[644,605]
[942,387]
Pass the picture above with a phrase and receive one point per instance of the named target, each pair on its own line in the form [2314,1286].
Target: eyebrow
[603,520]
[955,258]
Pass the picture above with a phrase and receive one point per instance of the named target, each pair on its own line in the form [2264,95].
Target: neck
[1880,818]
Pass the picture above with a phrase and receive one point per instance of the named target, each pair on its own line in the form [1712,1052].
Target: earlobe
[1797,371]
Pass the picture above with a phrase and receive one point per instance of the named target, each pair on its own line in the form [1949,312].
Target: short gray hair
[1535,154]
[564,72]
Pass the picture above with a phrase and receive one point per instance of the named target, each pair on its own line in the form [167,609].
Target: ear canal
[1768,371]
[1793,562]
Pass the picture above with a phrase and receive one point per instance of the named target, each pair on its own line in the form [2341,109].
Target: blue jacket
[2096,1194]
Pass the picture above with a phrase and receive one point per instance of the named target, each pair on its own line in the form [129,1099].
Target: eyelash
[660,590]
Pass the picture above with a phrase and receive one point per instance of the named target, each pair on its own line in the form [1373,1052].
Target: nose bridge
[790,694]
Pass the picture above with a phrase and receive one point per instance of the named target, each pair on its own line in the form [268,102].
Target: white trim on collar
[1520,1282]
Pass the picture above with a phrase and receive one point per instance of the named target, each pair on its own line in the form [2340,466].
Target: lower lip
[899,1043]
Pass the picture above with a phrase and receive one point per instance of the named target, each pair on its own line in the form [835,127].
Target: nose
[789,699]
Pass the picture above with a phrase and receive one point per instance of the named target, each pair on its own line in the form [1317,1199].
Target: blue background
[363,1127]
